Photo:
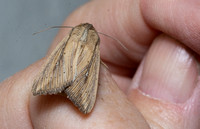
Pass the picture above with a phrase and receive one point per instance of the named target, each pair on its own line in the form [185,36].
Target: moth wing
[52,79]
[84,88]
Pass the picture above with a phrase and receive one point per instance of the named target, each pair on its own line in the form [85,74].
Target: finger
[127,26]
[136,27]
[179,19]
[112,110]
[15,97]
[169,87]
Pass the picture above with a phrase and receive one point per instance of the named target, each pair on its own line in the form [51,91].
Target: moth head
[87,31]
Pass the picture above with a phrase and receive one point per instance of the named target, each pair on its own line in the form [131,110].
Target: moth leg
[104,64]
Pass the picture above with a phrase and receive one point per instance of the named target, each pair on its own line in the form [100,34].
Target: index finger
[127,26]
[136,23]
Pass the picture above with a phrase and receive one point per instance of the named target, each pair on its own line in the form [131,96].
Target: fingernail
[170,72]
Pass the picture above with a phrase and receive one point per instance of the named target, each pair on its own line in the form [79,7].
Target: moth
[73,68]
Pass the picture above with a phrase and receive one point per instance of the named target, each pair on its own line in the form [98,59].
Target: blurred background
[19,20]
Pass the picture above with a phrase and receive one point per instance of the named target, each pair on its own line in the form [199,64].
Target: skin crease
[125,102]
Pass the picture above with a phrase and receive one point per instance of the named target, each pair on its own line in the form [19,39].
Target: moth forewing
[84,89]
[44,82]
[73,68]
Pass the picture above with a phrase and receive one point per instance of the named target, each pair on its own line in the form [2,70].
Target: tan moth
[73,68]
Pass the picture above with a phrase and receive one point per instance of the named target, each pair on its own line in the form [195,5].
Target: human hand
[164,91]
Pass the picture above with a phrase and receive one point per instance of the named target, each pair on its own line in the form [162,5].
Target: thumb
[168,84]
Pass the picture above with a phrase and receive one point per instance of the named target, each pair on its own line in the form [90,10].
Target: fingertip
[174,18]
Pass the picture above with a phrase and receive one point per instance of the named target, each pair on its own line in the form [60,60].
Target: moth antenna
[118,41]
[52,28]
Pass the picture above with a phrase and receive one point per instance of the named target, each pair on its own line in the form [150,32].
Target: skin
[155,84]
